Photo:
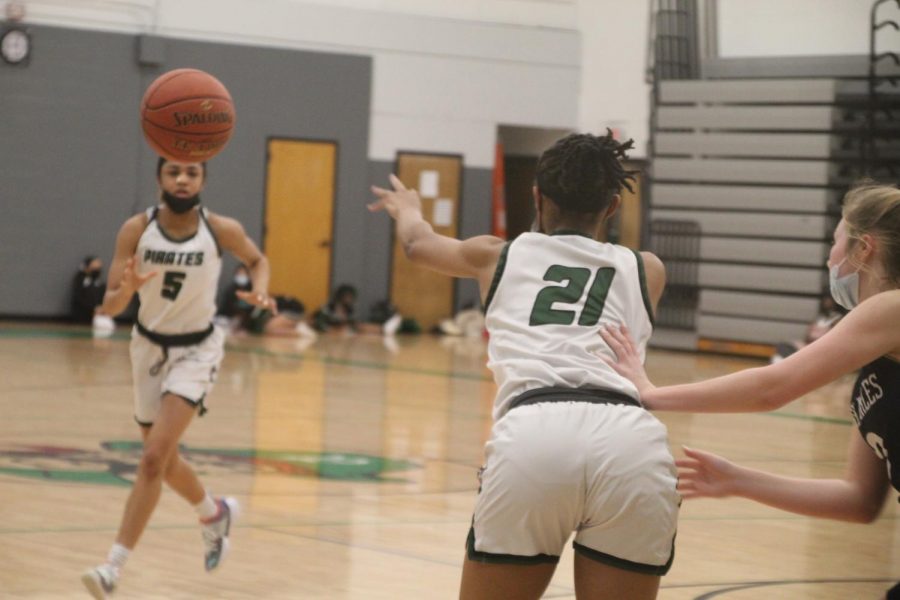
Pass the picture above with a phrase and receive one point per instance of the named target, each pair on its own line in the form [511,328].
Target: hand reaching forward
[628,363]
[705,475]
[258,299]
[393,201]
[131,279]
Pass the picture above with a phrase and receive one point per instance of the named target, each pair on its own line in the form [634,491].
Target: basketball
[187,115]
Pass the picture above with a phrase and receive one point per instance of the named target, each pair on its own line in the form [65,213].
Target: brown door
[418,292]
[519,197]
[299,214]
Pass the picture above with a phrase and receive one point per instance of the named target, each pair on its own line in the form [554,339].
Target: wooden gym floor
[355,463]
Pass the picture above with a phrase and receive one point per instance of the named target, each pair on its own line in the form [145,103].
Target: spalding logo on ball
[187,115]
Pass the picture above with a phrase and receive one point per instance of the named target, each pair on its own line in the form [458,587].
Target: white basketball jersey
[181,298]
[549,297]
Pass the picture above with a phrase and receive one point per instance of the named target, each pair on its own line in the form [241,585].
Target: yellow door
[299,214]
[418,292]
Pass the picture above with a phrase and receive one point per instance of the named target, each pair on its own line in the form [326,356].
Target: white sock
[117,556]
[206,508]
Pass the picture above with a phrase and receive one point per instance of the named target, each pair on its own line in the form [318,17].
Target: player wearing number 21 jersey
[571,450]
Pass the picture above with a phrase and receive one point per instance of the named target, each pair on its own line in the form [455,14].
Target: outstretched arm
[232,237]
[474,258]
[858,497]
[862,336]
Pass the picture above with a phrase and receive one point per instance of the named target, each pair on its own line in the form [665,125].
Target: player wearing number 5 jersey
[171,256]
[864,265]
[571,450]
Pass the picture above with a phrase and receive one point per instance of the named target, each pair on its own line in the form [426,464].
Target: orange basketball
[187,115]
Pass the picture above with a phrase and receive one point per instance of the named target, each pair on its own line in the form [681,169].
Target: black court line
[738,586]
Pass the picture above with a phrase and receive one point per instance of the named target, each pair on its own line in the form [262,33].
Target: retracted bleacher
[753,168]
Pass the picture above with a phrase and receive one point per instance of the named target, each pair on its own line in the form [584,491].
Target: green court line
[815,418]
[361,364]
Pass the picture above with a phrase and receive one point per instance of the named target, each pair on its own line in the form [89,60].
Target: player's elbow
[865,502]
[865,513]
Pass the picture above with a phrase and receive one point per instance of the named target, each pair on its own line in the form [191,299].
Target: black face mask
[179,206]
[94,273]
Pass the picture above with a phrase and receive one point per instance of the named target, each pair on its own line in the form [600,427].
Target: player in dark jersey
[864,274]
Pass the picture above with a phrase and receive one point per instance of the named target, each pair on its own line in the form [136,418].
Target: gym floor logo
[116,463]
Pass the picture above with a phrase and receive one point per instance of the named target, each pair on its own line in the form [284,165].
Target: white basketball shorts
[602,471]
[188,372]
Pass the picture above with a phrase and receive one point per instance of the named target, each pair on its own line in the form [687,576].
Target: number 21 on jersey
[574,280]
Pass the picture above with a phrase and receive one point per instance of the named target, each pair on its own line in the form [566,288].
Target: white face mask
[844,290]
[241,280]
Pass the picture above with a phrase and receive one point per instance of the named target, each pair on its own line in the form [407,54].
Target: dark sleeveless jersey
[875,406]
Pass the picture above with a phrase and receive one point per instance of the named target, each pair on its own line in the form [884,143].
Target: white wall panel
[393,133]
[474,90]
[363,31]
[795,28]
[446,74]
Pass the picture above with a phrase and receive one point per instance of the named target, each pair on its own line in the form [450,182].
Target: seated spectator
[340,314]
[288,320]
[88,288]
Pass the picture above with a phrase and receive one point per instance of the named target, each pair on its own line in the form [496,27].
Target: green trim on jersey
[498,273]
[203,217]
[642,275]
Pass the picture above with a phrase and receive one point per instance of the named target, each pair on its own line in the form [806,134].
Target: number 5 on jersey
[171,286]
[575,279]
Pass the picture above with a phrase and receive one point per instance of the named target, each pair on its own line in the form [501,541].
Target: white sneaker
[391,326]
[304,330]
[215,532]
[103,324]
[101,581]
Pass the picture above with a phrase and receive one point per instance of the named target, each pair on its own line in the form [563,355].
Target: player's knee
[154,463]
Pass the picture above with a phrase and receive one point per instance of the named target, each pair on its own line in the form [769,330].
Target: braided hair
[582,172]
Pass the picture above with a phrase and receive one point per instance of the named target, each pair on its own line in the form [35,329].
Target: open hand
[393,201]
[258,299]
[628,363]
[705,475]
[131,279]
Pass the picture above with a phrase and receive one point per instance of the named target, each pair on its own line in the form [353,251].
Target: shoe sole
[92,585]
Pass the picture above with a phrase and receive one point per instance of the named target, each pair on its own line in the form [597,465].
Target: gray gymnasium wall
[475,219]
[73,164]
